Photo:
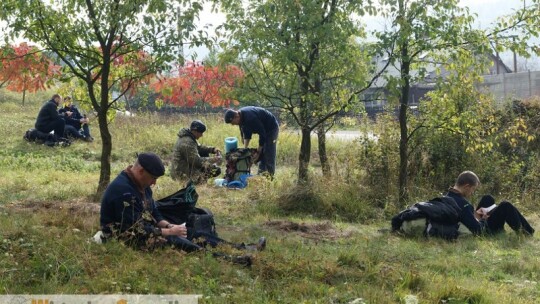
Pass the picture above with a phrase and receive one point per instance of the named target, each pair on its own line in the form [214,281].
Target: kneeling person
[191,160]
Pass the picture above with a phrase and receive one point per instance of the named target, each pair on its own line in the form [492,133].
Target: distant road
[344,135]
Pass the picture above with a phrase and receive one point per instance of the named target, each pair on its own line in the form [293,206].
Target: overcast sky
[487,11]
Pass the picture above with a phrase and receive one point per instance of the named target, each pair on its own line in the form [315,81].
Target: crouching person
[191,160]
[128,212]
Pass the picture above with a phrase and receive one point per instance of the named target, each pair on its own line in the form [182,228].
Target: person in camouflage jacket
[191,160]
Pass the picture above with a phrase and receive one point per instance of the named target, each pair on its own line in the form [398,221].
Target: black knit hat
[197,125]
[151,163]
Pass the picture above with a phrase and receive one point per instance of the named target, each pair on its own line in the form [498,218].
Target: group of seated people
[66,122]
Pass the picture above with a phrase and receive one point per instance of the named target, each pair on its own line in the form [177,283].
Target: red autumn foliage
[200,84]
[25,68]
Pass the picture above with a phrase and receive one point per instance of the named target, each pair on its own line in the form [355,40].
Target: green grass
[324,242]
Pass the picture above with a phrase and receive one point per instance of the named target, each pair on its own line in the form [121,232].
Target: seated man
[48,118]
[191,160]
[491,223]
[128,212]
[75,121]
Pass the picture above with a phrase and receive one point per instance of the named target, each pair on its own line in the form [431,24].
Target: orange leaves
[200,84]
[25,68]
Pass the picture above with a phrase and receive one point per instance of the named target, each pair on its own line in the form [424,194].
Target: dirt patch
[317,231]
[79,206]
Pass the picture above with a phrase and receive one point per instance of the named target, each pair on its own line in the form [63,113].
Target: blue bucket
[231,143]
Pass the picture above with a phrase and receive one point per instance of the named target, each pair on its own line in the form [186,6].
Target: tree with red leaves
[197,84]
[26,69]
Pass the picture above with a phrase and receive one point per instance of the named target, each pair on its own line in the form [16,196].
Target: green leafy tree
[299,56]
[88,36]
[421,31]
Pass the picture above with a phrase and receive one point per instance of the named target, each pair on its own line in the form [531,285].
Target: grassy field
[48,212]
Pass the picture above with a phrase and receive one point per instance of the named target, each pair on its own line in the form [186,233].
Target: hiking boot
[244,260]
[261,244]
[88,138]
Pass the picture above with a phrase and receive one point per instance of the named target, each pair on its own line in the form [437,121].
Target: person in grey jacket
[191,160]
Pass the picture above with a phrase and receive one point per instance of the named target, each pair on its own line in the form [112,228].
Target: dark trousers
[268,161]
[71,131]
[198,240]
[57,126]
[86,130]
[507,213]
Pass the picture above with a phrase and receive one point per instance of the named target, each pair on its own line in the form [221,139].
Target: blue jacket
[122,209]
[256,120]
[466,216]
[47,114]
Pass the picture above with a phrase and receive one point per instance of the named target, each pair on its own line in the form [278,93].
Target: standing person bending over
[256,120]
[128,212]
[191,160]
[75,121]
[465,185]
[49,119]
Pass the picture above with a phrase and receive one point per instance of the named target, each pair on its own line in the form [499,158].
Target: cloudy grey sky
[487,11]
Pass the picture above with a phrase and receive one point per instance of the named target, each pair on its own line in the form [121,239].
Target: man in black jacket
[75,121]
[49,119]
[256,120]
[465,185]
[129,213]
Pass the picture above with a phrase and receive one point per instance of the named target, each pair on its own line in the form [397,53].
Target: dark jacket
[255,120]
[47,114]
[466,215]
[187,161]
[75,118]
[123,213]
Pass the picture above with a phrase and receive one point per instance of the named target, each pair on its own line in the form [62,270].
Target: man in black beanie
[129,213]
[191,160]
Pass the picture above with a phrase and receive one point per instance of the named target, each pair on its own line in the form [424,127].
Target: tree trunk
[323,157]
[106,150]
[23,97]
[404,140]
[304,156]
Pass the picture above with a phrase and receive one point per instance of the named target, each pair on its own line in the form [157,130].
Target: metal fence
[512,85]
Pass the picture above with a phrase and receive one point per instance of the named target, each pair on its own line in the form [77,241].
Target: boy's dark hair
[467,178]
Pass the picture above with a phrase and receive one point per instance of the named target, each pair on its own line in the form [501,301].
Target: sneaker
[88,139]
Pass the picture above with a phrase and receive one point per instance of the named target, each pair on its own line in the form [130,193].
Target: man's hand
[178,230]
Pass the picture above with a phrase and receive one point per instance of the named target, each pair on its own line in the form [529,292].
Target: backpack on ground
[239,162]
[179,208]
[437,217]
[38,136]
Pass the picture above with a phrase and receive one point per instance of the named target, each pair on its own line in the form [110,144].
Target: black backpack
[179,208]
[38,136]
[440,215]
